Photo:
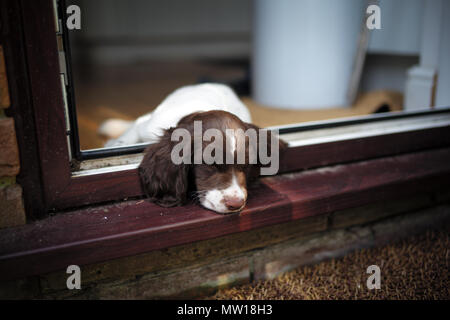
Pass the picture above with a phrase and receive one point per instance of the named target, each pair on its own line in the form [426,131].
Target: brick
[4,91]
[194,254]
[12,210]
[7,181]
[9,155]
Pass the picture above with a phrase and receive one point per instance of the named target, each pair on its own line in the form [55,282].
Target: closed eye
[243,167]
[221,167]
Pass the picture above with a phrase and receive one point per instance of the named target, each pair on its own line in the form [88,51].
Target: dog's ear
[253,151]
[282,145]
[164,182]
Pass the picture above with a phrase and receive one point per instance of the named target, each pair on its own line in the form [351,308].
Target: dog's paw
[114,128]
[114,143]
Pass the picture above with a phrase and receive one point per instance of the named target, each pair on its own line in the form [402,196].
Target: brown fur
[167,184]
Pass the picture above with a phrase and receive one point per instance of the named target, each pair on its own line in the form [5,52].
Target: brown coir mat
[416,268]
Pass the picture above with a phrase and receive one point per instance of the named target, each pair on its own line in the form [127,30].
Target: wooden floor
[130,91]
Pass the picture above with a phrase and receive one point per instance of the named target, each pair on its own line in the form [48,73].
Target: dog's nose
[234,203]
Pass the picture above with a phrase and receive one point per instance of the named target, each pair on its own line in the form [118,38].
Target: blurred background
[289,60]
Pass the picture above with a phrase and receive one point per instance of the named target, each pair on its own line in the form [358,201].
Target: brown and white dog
[220,186]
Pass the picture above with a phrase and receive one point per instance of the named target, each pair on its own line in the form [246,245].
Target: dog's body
[180,103]
[221,187]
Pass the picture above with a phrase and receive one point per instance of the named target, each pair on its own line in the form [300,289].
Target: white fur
[113,128]
[180,103]
[214,199]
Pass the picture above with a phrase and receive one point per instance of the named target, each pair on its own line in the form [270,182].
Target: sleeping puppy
[203,144]
[180,103]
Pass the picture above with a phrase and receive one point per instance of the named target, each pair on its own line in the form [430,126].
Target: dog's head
[213,154]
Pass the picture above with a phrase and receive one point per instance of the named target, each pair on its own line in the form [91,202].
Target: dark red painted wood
[47,100]
[125,184]
[12,40]
[129,228]
[345,151]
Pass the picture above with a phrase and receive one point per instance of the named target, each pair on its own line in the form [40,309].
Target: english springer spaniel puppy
[220,186]
[180,103]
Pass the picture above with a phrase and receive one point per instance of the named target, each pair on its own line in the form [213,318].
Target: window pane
[289,61]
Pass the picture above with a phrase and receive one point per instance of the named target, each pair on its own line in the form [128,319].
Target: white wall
[386,72]
[401,28]
[125,30]
[304,50]
[443,87]
[428,83]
